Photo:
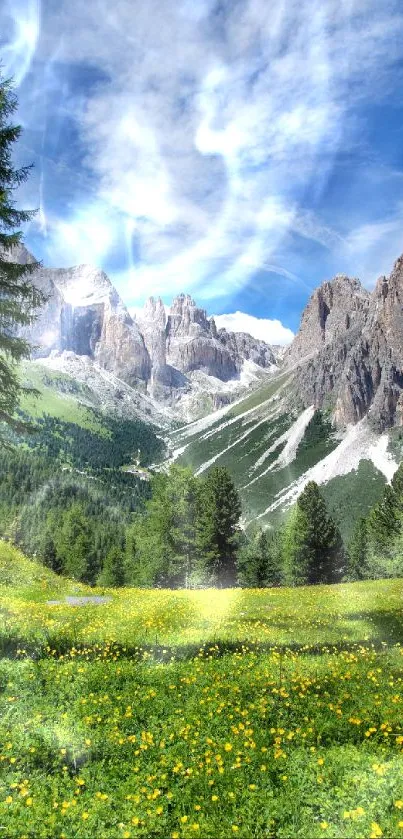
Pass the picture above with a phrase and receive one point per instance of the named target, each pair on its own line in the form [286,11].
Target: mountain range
[181,360]
[225,398]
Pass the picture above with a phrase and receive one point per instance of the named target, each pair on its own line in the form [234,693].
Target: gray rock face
[192,342]
[152,323]
[373,379]
[337,308]
[350,355]
[245,347]
[85,316]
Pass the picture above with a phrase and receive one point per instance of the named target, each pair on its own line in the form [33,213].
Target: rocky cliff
[335,310]
[243,346]
[84,315]
[348,353]
[192,342]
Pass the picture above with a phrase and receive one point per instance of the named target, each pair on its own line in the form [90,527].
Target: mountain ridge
[348,353]
[180,359]
[346,361]
[345,367]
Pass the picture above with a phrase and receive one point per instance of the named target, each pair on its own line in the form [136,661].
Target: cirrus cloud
[182,145]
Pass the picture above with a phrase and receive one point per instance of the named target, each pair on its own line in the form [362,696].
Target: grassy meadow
[216,713]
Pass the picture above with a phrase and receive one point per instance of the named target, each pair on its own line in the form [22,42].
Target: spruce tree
[274,570]
[49,554]
[397,483]
[164,539]
[74,545]
[296,558]
[218,525]
[18,297]
[113,571]
[259,563]
[316,552]
[384,522]
[358,553]
[183,499]
[385,530]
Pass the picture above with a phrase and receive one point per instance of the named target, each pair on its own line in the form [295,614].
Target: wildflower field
[219,713]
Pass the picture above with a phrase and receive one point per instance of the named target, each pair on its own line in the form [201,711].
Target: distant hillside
[273,450]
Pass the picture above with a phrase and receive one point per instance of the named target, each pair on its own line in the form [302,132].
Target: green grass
[51,400]
[245,713]
[261,395]
[351,496]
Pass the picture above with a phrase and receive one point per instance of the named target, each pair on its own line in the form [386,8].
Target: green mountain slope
[80,387]
[60,396]
[272,450]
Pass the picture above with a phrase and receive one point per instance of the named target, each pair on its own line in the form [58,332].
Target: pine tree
[274,570]
[166,551]
[218,525]
[258,563]
[49,554]
[384,522]
[358,553]
[397,483]
[182,498]
[296,558]
[74,545]
[18,297]
[141,562]
[113,571]
[385,530]
[130,556]
[316,547]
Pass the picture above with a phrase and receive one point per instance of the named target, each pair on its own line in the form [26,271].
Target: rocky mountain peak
[336,307]
[182,301]
[348,353]
[85,316]
[152,323]
[192,341]
[153,312]
[85,285]
[186,319]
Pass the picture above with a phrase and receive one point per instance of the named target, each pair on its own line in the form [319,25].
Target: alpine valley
[328,409]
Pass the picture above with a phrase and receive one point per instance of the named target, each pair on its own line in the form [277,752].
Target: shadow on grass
[388,625]
[212,649]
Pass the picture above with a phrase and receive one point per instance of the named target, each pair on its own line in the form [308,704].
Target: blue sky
[240,150]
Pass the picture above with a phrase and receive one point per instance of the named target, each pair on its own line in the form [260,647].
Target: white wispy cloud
[371,249]
[210,124]
[271,331]
[23,28]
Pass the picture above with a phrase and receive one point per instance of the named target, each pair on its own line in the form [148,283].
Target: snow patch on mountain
[294,436]
[359,443]
[236,442]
